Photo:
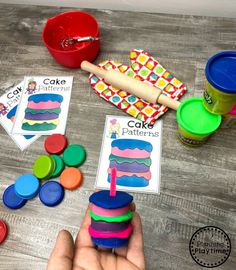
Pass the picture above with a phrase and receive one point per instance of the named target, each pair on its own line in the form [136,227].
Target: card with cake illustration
[44,105]
[8,107]
[133,148]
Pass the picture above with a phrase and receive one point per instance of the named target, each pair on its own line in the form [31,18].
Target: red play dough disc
[3,231]
[55,144]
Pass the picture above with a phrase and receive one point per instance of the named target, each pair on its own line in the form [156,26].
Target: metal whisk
[68,42]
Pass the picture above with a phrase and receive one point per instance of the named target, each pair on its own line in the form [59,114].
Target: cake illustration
[42,112]
[110,218]
[11,116]
[131,158]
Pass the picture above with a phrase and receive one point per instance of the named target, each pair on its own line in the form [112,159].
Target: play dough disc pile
[132,160]
[46,167]
[110,219]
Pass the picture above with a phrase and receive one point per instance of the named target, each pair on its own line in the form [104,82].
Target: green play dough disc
[59,165]
[44,166]
[122,218]
[33,111]
[146,161]
[194,118]
[38,127]
[74,155]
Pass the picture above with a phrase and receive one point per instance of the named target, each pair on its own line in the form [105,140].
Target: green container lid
[194,118]
[44,166]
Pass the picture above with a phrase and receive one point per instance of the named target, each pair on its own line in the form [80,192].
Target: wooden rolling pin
[132,86]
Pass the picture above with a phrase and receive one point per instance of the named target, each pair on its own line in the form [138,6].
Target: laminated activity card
[133,148]
[44,105]
[8,107]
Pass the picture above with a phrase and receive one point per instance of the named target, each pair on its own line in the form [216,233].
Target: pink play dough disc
[110,213]
[123,234]
[146,175]
[130,153]
[44,105]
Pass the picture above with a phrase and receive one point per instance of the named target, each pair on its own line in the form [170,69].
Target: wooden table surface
[198,186]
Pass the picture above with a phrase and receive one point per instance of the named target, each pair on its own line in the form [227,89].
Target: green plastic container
[195,123]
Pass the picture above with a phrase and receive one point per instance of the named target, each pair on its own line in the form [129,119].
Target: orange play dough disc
[71,178]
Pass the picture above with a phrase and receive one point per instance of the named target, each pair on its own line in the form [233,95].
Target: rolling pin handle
[85,65]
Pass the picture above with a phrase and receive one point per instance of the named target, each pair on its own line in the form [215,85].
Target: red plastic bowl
[67,25]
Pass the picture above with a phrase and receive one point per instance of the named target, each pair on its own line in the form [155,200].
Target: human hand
[84,255]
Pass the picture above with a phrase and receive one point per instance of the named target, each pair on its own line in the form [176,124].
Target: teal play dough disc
[74,155]
[27,186]
[59,165]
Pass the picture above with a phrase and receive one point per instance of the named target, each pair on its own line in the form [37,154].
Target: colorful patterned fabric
[145,68]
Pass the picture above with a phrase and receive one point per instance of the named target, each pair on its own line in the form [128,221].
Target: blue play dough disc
[110,242]
[103,199]
[130,181]
[132,144]
[51,193]
[45,97]
[11,199]
[12,112]
[27,186]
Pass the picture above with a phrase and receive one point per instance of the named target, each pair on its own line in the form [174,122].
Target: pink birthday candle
[113,183]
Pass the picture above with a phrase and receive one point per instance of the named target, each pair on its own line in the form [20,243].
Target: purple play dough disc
[129,167]
[41,116]
[109,226]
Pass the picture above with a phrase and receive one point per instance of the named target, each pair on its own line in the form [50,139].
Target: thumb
[135,252]
[62,254]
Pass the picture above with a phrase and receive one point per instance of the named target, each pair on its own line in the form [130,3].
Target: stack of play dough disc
[110,218]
